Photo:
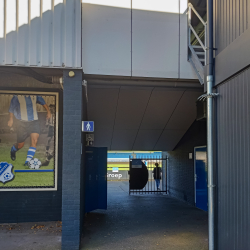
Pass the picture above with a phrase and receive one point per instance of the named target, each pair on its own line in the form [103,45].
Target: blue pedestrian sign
[87,126]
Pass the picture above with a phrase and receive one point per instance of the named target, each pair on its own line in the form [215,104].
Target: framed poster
[28,140]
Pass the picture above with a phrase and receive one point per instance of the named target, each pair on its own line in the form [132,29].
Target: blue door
[95,179]
[102,177]
[200,160]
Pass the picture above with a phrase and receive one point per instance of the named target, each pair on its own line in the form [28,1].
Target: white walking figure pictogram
[88,126]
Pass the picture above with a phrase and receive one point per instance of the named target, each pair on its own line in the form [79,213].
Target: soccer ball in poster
[34,164]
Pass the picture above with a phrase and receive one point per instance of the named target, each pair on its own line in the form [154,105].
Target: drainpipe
[210,79]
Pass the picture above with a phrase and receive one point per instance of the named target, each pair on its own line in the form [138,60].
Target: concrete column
[71,167]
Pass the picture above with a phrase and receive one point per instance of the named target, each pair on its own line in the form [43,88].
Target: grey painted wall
[180,169]
[118,41]
[233,161]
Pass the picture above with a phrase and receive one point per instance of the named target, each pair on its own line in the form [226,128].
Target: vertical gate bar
[141,166]
[150,174]
[162,162]
[136,189]
[160,159]
[157,176]
[166,174]
[156,161]
[163,188]
[129,172]
[154,176]
[160,175]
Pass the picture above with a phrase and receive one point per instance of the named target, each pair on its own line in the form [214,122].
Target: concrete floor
[144,222]
[31,236]
[141,222]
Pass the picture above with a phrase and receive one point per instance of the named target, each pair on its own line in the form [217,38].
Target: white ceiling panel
[123,139]
[161,106]
[131,107]
[185,111]
[102,106]
[146,139]
[169,139]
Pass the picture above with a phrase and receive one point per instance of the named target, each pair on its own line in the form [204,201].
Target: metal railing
[150,185]
[196,53]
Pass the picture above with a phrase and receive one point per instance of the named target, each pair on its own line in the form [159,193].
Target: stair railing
[194,55]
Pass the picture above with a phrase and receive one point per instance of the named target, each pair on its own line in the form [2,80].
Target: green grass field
[35,179]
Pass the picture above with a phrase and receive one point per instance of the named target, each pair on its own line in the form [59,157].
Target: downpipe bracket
[211,186]
[204,97]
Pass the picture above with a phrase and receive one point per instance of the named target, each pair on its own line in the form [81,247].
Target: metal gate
[144,175]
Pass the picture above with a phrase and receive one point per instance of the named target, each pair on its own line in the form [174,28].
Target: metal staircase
[197,48]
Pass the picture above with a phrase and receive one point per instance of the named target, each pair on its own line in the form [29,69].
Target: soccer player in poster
[50,137]
[23,107]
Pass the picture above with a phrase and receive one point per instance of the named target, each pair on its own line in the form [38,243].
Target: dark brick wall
[180,174]
[33,206]
[72,158]
[83,169]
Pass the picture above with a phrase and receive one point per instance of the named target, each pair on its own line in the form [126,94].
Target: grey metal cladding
[231,19]
[233,161]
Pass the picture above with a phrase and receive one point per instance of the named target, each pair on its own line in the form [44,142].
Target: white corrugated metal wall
[40,33]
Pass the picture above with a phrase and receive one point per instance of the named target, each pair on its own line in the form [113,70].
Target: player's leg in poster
[14,149]
[22,135]
[32,150]
[33,129]
[49,146]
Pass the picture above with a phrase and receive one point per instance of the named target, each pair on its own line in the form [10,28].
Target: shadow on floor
[144,222]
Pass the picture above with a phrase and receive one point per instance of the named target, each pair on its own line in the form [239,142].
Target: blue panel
[102,178]
[91,187]
[201,178]
[95,179]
